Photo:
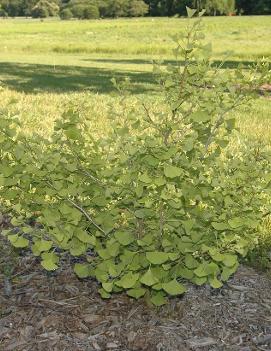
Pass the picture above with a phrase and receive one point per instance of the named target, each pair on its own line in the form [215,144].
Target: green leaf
[166,243]
[158,299]
[201,271]
[139,190]
[104,254]
[199,281]
[41,246]
[127,256]
[143,213]
[18,241]
[236,222]
[147,240]
[148,278]
[108,287]
[86,238]
[136,293]
[189,144]
[185,273]
[160,272]
[104,294]
[152,161]
[99,201]
[216,255]
[190,12]
[230,123]
[220,226]
[157,286]
[101,275]
[227,272]
[144,178]
[229,260]
[113,249]
[124,238]
[113,270]
[172,171]
[73,134]
[128,280]
[215,283]
[157,257]
[160,181]
[173,256]
[173,288]
[2,180]
[77,247]
[82,270]
[16,222]
[191,262]
[50,256]
[201,116]
[188,225]
[212,268]
[49,265]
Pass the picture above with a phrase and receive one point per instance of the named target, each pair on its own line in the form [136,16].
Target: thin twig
[149,116]
[82,210]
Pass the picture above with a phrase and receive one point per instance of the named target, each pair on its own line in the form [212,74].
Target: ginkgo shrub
[161,199]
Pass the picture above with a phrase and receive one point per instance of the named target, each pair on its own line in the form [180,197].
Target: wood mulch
[58,312]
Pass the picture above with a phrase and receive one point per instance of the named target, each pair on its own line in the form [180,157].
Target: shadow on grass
[35,78]
[227,64]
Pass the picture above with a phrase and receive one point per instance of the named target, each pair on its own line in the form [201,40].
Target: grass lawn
[44,64]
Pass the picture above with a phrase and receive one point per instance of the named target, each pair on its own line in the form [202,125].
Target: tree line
[87,9]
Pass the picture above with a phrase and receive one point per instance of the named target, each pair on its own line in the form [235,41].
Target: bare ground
[57,312]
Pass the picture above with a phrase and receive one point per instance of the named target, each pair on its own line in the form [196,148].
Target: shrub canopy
[161,199]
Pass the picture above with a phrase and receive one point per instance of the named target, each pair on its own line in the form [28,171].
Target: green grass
[247,36]
[45,65]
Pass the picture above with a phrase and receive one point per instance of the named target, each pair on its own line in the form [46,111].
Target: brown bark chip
[58,312]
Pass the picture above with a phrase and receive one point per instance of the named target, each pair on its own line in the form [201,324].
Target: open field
[44,64]
[246,36]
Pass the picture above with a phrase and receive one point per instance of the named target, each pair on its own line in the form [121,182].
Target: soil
[57,312]
[265,90]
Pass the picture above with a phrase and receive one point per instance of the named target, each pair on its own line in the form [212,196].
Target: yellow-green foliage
[45,66]
[157,197]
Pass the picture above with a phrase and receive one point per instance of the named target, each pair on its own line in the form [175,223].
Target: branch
[80,208]
[149,116]
[219,122]
[84,212]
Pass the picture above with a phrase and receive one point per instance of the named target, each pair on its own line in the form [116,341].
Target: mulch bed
[265,88]
[58,312]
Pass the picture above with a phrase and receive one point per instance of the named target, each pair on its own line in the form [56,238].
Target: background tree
[83,9]
[133,8]
[117,8]
[45,8]
[66,14]
[137,8]
[12,7]
[252,7]
[3,13]
[91,11]
[27,6]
